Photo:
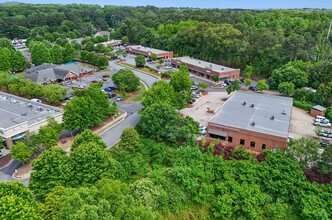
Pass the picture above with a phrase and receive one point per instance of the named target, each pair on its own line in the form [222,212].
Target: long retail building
[206,69]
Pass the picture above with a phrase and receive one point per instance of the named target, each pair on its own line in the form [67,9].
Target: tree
[248,72]
[215,78]
[5,59]
[261,85]
[51,169]
[129,139]
[40,53]
[324,164]
[126,80]
[140,61]
[21,151]
[180,80]
[247,82]
[5,43]
[323,94]
[16,202]
[203,85]
[286,88]
[318,130]
[48,136]
[160,122]
[56,54]
[102,62]
[154,57]
[87,137]
[18,62]
[304,151]
[160,92]
[69,53]
[125,39]
[89,107]
[54,93]
[90,163]
[235,86]
[292,72]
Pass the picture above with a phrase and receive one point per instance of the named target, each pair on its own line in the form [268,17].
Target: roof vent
[272,117]
[252,124]
[222,68]
[244,103]
[252,105]
[283,112]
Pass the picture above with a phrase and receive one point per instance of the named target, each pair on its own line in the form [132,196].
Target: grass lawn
[144,69]
[136,96]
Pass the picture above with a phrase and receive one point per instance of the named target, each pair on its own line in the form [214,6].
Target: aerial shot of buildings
[165,110]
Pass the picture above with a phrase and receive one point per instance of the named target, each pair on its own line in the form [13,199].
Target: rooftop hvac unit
[252,105]
[272,117]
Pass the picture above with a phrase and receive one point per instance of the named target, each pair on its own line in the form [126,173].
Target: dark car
[324,144]
[108,89]
[253,88]
[228,82]
[111,95]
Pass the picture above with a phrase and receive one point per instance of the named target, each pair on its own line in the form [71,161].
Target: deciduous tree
[286,88]
[21,151]
[140,61]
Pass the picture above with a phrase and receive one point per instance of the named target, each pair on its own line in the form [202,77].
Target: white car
[119,99]
[193,87]
[203,132]
[325,125]
[36,100]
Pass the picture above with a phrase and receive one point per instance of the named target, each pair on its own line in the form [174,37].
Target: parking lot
[199,112]
[301,125]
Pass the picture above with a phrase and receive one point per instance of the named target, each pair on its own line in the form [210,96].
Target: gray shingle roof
[262,113]
[55,72]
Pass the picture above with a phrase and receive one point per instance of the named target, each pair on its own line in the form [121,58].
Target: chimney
[252,105]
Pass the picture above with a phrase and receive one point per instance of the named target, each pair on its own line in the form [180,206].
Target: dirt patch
[65,143]
[5,160]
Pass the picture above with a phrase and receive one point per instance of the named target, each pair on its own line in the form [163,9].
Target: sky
[244,4]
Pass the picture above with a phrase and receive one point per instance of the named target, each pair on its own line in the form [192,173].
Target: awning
[217,132]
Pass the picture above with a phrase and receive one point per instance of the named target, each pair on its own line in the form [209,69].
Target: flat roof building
[19,116]
[206,69]
[147,52]
[255,121]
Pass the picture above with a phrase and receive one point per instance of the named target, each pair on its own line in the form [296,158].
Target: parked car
[36,100]
[325,125]
[253,88]
[201,127]
[324,144]
[111,95]
[195,95]
[193,87]
[119,98]
[325,120]
[203,132]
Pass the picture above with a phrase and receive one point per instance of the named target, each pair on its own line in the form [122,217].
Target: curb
[6,165]
[146,86]
[19,178]
[129,67]
[116,122]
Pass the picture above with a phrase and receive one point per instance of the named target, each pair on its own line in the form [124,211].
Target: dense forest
[265,40]
[143,179]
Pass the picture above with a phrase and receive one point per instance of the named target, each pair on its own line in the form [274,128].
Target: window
[263,146]
[252,144]
[230,139]
[242,142]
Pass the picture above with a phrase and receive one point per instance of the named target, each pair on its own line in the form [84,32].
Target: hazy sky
[249,4]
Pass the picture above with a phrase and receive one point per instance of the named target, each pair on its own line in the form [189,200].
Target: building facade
[254,121]
[205,69]
[148,52]
[19,116]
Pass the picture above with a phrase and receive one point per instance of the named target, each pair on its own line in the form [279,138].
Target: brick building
[255,121]
[317,110]
[206,69]
[147,52]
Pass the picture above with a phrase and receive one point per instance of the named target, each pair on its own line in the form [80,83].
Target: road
[145,77]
